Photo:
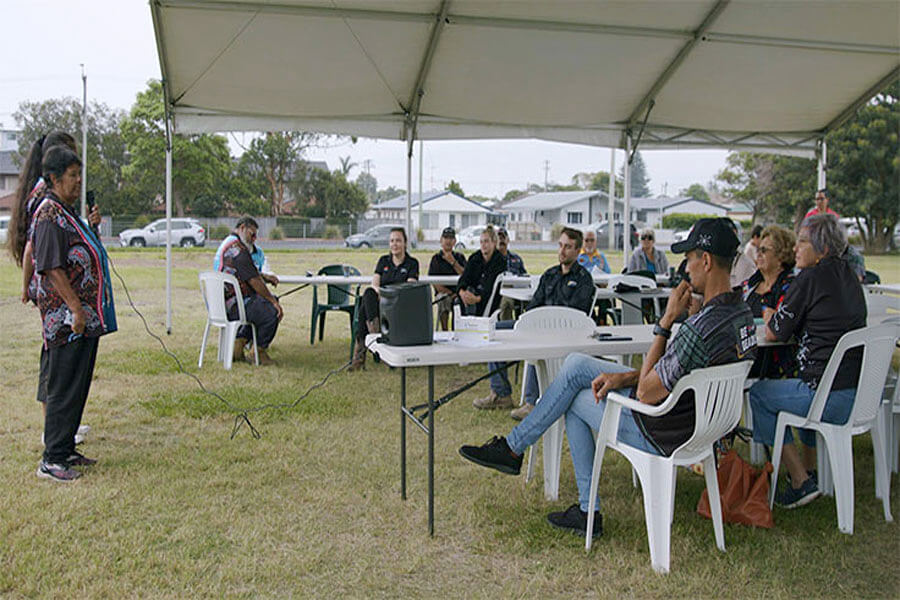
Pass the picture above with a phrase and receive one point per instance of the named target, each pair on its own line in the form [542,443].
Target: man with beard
[260,306]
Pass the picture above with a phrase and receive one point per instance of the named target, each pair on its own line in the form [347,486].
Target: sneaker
[813,474]
[57,472]
[523,411]
[495,454]
[575,520]
[83,430]
[77,459]
[492,401]
[792,497]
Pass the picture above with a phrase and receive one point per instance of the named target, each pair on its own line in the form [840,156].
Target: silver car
[375,237]
[185,233]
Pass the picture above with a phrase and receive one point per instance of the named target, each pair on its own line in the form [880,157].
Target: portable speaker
[406,316]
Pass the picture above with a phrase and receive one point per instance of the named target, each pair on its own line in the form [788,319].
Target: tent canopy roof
[714,73]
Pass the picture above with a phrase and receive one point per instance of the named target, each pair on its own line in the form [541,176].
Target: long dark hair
[28,178]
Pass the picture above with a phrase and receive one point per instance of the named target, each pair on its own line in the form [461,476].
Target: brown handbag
[744,492]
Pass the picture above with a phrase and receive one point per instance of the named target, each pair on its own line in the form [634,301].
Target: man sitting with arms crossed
[566,284]
[260,306]
[446,262]
[721,332]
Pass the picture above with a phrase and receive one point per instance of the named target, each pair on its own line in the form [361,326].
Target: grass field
[177,509]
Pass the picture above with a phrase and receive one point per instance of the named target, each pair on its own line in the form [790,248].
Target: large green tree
[201,164]
[864,168]
[695,191]
[105,147]
[777,188]
[276,160]
[330,195]
[640,181]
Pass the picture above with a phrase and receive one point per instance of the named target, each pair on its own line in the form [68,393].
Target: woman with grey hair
[824,302]
[648,257]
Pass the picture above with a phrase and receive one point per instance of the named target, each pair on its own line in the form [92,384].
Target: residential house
[439,209]
[651,210]
[534,216]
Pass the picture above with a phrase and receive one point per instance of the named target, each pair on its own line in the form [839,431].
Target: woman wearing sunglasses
[648,257]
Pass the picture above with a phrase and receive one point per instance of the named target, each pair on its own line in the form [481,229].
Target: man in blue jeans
[721,332]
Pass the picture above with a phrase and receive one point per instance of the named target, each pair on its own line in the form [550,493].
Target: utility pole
[546,175]
[84,127]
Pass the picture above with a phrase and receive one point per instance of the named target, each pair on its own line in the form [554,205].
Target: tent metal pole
[822,156]
[626,228]
[84,128]
[421,196]
[610,215]
[168,224]
[409,231]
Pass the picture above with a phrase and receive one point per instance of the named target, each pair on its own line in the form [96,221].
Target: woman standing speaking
[75,299]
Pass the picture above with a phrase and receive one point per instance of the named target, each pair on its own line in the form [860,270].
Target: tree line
[126,164]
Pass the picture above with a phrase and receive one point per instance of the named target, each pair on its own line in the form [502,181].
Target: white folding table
[509,346]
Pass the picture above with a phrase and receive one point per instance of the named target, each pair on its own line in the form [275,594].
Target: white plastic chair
[558,320]
[212,286]
[718,392]
[836,458]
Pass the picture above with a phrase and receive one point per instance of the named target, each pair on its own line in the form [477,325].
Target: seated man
[446,262]
[590,256]
[260,306]
[515,266]
[566,284]
[256,253]
[721,332]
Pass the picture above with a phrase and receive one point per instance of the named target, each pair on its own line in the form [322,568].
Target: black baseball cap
[448,232]
[715,236]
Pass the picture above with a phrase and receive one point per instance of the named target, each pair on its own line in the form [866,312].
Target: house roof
[552,200]
[399,202]
[665,202]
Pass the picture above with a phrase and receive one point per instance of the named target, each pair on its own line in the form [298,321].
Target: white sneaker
[83,430]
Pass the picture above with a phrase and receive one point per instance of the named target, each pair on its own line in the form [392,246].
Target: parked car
[4,225]
[185,233]
[469,238]
[376,237]
[602,229]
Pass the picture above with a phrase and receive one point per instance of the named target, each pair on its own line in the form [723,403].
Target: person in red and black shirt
[821,207]
[396,267]
[260,306]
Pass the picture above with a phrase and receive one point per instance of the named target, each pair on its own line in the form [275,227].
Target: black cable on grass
[241,416]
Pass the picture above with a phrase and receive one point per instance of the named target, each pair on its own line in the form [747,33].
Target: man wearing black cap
[514,265]
[721,332]
[446,262]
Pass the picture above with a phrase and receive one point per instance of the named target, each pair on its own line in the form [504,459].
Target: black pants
[261,313]
[69,370]
[368,310]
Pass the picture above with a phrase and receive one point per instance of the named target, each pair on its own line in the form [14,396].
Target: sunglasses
[647,237]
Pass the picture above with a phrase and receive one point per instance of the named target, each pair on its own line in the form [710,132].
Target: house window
[452,220]
[429,221]
[469,220]
[573,218]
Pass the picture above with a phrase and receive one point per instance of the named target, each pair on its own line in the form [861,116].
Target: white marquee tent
[762,75]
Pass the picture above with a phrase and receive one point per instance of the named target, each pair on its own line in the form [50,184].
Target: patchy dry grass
[177,509]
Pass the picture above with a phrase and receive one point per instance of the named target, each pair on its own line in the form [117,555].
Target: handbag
[743,491]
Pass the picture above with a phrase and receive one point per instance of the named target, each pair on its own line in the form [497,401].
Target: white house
[576,209]
[440,209]
[652,210]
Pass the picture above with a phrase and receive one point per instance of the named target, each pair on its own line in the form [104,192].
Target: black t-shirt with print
[823,303]
[391,273]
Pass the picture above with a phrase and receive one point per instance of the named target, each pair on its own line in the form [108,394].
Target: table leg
[431,451]
[402,433]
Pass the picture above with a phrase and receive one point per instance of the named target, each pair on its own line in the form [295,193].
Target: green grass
[177,509]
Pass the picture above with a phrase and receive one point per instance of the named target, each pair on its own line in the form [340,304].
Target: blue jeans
[570,395]
[769,396]
[500,382]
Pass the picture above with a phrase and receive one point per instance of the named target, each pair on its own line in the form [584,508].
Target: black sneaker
[57,472]
[792,497]
[77,459]
[575,520]
[495,455]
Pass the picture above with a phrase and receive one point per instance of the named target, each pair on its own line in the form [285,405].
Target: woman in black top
[477,280]
[766,289]
[824,302]
[396,267]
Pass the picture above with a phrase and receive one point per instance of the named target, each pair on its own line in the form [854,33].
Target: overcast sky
[44,42]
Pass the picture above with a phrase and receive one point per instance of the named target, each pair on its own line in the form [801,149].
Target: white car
[185,233]
[469,238]
[4,225]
